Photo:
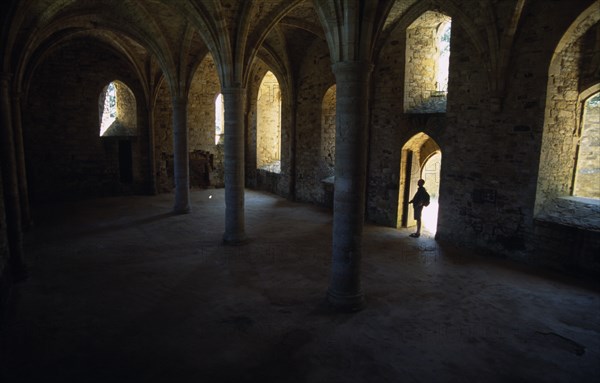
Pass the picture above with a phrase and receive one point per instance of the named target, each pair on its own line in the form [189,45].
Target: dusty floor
[123,291]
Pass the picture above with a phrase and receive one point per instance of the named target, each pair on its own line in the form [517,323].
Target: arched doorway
[421,157]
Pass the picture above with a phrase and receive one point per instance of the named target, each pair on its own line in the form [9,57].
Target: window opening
[109,112]
[443,59]
[219,119]
[117,111]
[587,168]
[427,63]
[268,129]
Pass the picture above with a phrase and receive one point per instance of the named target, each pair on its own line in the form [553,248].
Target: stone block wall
[567,235]
[163,140]
[204,89]
[491,145]
[328,108]
[491,164]
[66,157]
[314,79]
[202,99]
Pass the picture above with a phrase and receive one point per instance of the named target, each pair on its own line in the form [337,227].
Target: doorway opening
[421,158]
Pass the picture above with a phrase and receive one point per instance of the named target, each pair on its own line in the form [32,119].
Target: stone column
[20,158]
[352,79]
[234,165]
[152,187]
[12,203]
[181,156]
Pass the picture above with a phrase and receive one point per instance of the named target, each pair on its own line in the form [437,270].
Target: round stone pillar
[235,232]
[152,187]
[352,84]
[9,174]
[20,163]
[181,156]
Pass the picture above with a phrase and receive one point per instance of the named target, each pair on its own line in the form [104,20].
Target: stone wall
[314,79]
[567,236]
[562,121]
[163,139]
[201,116]
[391,129]
[204,89]
[327,167]
[492,156]
[66,157]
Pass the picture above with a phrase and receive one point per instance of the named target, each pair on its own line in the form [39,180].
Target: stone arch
[420,158]
[564,111]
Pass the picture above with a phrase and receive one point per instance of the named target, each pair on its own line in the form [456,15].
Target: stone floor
[123,291]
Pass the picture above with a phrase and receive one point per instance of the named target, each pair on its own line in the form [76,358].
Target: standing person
[420,200]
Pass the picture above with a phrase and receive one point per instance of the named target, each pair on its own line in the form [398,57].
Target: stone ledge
[577,212]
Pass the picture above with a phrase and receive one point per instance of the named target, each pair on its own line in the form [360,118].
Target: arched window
[268,127]
[109,107]
[427,63]
[442,63]
[328,132]
[219,119]
[587,169]
[117,111]
[566,166]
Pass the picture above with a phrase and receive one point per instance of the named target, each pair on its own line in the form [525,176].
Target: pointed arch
[420,159]
[563,114]
[268,127]
[117,109]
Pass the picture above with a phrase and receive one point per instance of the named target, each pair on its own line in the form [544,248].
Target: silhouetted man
[420,200]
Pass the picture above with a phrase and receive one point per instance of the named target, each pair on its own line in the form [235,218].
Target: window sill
[578,212]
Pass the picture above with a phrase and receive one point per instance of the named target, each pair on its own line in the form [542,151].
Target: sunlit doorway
[421,158]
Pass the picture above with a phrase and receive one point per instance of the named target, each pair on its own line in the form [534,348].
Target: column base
[235,239]
[346,302]
[182,210]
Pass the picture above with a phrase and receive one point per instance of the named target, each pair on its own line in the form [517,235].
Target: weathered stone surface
[66,156]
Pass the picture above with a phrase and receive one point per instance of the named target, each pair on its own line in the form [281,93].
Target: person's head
[421,182]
